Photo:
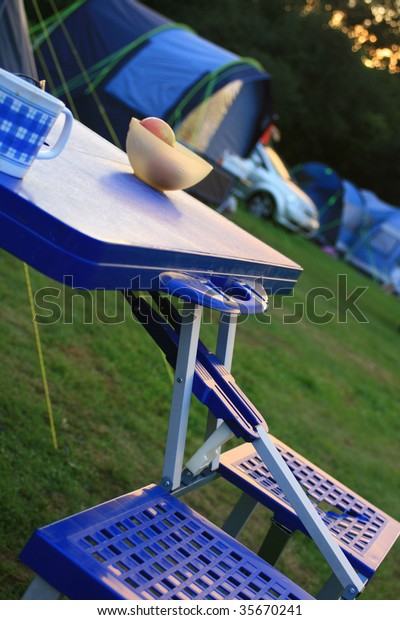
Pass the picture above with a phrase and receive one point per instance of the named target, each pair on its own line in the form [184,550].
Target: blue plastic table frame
[84,214]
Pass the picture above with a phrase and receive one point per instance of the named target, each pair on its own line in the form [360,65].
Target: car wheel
[262,205]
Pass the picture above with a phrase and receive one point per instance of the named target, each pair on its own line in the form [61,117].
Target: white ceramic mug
[26,116]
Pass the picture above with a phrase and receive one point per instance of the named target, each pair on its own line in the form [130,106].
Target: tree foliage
[331,108]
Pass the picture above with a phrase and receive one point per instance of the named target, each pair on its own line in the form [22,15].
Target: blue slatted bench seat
[364,532]
[149,545]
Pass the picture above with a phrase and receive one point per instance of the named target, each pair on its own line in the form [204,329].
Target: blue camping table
[84,216]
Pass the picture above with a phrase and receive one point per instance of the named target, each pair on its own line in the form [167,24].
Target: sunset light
[375,36]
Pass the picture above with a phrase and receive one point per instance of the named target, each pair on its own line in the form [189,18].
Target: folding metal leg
[274,543]
[226,339]
[179,414]
[341,567]
[332,589]
[40,590]
[239,515]
[224,352]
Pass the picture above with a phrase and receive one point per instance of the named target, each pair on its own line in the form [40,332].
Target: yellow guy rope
[41,359]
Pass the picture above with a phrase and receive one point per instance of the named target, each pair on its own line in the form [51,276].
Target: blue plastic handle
[251,298]
[217,292]
[200,291]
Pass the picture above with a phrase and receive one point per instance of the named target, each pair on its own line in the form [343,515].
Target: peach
[159,128]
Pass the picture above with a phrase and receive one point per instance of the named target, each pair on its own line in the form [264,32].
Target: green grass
[330,390]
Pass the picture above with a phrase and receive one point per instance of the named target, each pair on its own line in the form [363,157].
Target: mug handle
[62,139]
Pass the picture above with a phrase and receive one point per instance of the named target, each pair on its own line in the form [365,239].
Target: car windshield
[277,163]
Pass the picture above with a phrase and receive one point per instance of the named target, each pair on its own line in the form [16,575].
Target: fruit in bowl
[159,160]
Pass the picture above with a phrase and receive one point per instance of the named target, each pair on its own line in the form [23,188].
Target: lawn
[326,382]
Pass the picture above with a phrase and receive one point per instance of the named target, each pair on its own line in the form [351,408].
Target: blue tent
[352,216]
[362,210]
[363,227]
[370,233]
[324,187]
[110,60]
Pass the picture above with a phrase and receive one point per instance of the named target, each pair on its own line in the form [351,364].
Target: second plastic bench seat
[363,531]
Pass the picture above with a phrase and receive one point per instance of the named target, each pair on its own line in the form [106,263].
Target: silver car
[264,183]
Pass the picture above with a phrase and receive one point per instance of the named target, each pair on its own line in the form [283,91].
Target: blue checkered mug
[27,115]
